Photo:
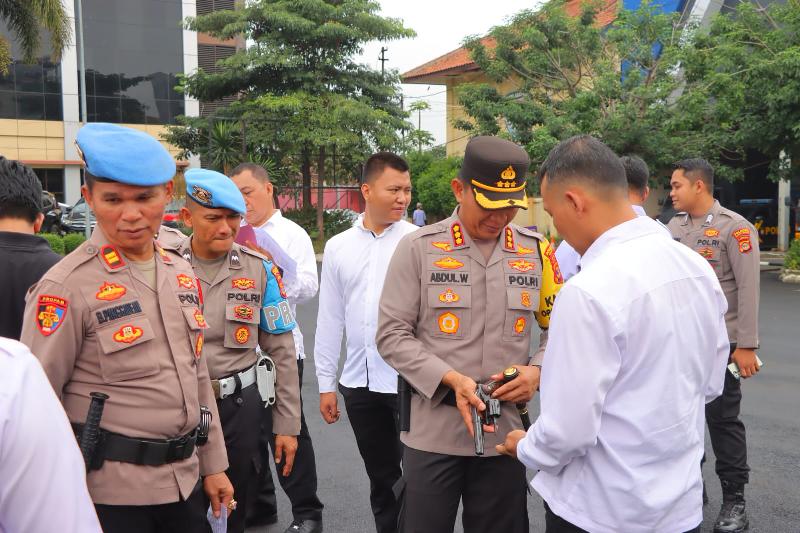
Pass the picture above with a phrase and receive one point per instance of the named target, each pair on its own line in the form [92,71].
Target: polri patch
[51,312]
[110,291]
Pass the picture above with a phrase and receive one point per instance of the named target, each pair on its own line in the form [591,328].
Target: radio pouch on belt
[266,378]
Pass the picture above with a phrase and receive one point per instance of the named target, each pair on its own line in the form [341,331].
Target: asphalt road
[770,410]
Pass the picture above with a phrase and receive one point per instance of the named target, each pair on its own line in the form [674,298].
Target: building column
[190,62]
[71,106]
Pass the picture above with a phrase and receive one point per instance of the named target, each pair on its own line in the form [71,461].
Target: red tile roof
[459,60]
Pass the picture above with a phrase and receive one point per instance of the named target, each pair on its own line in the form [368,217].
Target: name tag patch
[188,298]
[118,312]
[244,297]
[460,278]
[519,280]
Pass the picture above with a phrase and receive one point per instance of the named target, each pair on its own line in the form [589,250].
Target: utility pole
[383,59]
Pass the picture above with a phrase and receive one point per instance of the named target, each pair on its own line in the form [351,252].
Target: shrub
[72,241]
[792,259]
[433,187]
[334,220]
[56,242]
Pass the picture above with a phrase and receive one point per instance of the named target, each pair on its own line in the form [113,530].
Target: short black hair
[258,172]
[585,158]
[20,191]
[636,172]
[378,162]
[697,168]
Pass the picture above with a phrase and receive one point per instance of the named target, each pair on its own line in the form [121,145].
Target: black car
[52,213]
[75,220]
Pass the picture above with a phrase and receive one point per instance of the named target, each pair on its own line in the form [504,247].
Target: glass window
[52,181]
[8,104]
[132,111]
[29,77]
[7,79]
[52,78]
[30,106]
[53,107]
[108,109]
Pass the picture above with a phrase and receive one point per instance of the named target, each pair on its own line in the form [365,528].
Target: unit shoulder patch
[51,311]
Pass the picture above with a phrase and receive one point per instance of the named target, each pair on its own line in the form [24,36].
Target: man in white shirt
[627,371]
[301,485]
[353,272]
[637,175]
[44,474]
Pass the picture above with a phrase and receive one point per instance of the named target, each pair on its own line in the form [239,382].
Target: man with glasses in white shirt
[629,365]
[353,272]
[301,485]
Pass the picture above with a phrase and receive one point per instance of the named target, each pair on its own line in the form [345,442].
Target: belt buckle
[215,388]
[180,448]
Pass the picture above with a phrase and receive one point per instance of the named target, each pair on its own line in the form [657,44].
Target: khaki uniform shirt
[96,326]
[445,307]
[730,243]
[232,304]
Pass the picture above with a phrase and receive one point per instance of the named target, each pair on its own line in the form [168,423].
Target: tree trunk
[320,195]
[305,168]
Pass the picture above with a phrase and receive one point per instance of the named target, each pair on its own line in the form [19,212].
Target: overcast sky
[441,26]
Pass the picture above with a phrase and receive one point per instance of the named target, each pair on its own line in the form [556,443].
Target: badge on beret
[128,333]
[110,291]
[521,265]
[243,283]
[448,323]
[111,257]
[242,334]
[50,313]
[201,195]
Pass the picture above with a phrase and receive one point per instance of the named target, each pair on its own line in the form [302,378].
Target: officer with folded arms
[121,316]
[245,306]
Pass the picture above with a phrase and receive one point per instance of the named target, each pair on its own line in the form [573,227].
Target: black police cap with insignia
[497,170]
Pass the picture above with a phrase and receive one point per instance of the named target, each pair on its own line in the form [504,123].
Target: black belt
[149,452]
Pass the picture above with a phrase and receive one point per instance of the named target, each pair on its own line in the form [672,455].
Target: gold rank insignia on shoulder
[111,257]
[457,234]
[509,239]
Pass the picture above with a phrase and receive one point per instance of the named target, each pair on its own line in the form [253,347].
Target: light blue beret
[209,188]
[124,155]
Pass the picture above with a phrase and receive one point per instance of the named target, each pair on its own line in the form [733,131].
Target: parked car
[52,213]
[75,220]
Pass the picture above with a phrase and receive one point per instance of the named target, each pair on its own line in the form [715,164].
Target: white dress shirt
[637,346]
[44,478]
[569,260]
[297,244]
[353,270]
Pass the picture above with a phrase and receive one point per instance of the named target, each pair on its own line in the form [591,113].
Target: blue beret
[209,188]
[124,155]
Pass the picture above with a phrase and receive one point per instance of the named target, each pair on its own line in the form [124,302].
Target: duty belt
[139,451]
[230,385]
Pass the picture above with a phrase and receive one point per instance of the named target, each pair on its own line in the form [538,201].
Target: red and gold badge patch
[521,265]
[187,282]
[243,283]
[550,253]
[448,263]
[742,236]
[242,335]
[449,296]
[509,239]
[128,334]
[50,313]
[198,346]
[706,252]
[443,246]
[519,325]
[457,233]
[448,323]
[711,232]
[110,291]
[521,250]
[111,257]
[525,298]
[200,319]
[277,273]
[243,312]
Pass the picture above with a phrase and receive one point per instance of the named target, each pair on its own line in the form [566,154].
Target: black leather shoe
[305,526]
[732,516]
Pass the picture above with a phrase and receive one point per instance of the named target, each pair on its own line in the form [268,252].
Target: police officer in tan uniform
[121,316]
[244,308]
[730,244]
[458,307]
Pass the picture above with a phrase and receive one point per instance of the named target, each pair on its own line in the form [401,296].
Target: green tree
[25,19]
[300,90]
[433,186]
[743,88]
[570,79]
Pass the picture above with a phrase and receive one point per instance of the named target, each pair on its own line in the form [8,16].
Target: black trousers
[240,416]
[727,432]
[493,489]
[186,516]
[556,524]
[301,485]
[374,419]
